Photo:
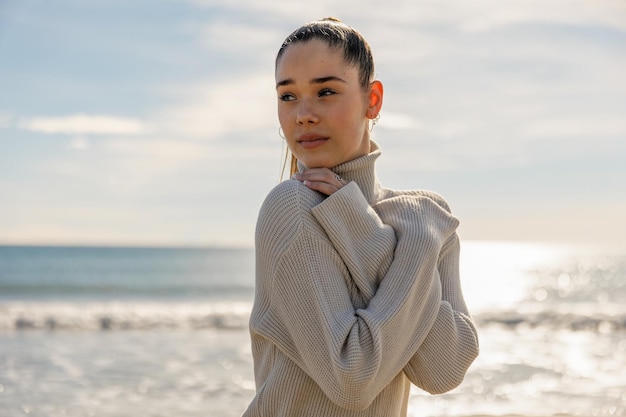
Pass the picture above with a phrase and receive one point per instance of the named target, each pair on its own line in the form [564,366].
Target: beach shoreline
[109,332]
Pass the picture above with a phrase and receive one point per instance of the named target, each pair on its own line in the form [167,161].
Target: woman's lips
[311,141]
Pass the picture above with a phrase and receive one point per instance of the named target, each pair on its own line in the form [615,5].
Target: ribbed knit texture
[357,295]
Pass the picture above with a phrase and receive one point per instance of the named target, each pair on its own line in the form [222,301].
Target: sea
[128,331]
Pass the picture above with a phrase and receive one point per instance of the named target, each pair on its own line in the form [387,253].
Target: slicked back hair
[336,34]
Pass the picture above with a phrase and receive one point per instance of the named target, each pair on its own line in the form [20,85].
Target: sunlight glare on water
[495,275]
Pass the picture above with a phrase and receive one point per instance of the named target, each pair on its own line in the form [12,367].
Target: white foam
[117,315]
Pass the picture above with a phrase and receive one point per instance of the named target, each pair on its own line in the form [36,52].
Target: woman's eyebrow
[320,80]
[288,81]
[323,80]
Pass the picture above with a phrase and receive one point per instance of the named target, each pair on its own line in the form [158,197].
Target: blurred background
[138,140]
[153,122]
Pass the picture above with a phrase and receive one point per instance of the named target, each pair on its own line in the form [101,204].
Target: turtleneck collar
[360,170]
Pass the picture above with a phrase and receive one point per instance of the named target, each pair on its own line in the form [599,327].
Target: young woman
[357,287]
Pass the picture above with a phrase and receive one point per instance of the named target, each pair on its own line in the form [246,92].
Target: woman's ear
[375,99]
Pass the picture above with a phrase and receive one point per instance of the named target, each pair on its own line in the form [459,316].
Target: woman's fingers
[321,179]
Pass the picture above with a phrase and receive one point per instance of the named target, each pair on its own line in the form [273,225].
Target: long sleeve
[451,346]
[306,310]
[364,242]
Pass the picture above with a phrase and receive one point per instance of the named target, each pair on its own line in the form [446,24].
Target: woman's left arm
[451,345]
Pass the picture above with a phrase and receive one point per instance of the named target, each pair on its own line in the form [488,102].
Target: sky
[154,122]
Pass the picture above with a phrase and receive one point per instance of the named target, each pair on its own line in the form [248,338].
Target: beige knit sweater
[357,295]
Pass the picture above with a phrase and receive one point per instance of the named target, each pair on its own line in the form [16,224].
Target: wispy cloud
[398,121]
[78,143]
[567,12]
[479,96]
[84,124]
[207,110]
[238,36]
[585,126]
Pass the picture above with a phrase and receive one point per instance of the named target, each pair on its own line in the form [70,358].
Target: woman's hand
[321,179]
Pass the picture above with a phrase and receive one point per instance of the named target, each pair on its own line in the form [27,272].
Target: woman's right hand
[321,179]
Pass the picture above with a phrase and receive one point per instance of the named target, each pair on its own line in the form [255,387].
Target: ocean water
[163,332]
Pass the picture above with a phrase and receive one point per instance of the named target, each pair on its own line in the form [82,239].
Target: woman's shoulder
[291,197]
[286,208]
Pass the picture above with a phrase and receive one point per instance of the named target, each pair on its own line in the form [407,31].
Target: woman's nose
[306,114]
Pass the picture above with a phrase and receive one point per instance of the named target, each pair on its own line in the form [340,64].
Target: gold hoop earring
[280,133]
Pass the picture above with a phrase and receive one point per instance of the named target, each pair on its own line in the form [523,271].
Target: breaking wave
[111,316]
[234,315]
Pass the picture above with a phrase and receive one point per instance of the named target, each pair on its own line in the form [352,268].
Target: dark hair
[336,34]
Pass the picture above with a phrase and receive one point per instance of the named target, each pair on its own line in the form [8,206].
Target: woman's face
[322,108]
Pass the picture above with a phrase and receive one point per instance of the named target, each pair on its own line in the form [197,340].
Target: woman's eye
[286,97]
[326,92]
